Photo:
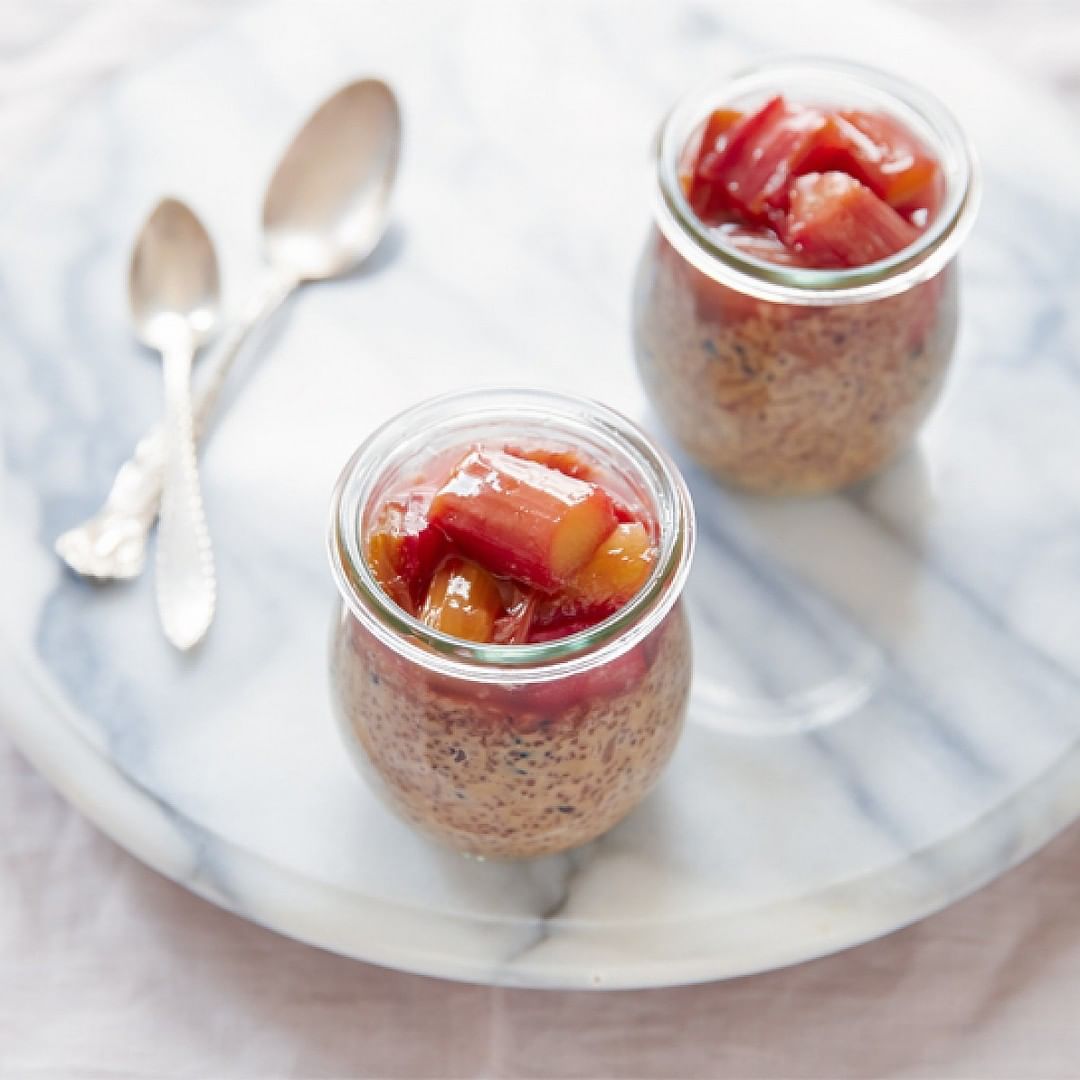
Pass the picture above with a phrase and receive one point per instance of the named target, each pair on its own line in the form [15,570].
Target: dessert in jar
[796,305]
[511,662]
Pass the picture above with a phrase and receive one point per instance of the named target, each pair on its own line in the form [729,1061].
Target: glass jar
[785,379]
[510,751]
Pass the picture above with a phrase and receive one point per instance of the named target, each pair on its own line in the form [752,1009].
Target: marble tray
[886,710]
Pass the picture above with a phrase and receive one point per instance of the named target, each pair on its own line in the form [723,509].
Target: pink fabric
[109,970]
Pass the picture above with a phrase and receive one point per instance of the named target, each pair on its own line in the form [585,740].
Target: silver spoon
[174,289]
[325,210]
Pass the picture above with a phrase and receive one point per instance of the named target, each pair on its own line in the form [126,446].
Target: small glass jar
[784,379]
[511,751]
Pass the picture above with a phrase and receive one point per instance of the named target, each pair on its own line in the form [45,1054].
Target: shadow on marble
[801,602]
[267,339]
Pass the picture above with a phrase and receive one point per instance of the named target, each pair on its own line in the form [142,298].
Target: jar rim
[388,445]
[916,263]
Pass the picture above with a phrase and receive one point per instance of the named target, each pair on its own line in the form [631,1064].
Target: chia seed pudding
[793,354]
[788,398]
[508,771]
[526,748]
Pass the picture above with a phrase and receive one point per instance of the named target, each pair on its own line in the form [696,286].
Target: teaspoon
[174,289]
[325,210]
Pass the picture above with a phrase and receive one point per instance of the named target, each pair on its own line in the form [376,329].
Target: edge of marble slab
[554,954]
[543,953]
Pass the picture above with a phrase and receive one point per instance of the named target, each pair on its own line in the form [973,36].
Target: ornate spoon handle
[112,543]
[186,582]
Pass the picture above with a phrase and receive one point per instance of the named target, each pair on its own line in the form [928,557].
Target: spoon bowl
[326,205]
[174,286]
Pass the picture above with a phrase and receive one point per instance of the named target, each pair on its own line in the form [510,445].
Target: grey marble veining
[887,688]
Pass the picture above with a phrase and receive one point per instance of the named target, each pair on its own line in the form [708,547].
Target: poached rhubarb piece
[891,161]
[515,625]
[463,600]
[747,175]
[518,546]
[705,196]
[522,519]
[618,569]
[615,574]
[760,155]
[404,548]
[837,221]
[573,464]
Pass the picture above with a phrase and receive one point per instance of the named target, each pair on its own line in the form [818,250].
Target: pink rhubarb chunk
[521,519]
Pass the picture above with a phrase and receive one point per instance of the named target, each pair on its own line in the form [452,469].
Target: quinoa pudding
[511,664]
[796,306]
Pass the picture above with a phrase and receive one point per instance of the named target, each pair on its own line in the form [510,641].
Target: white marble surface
[928,614]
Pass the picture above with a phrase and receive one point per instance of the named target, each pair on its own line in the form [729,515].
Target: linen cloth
[108,970]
